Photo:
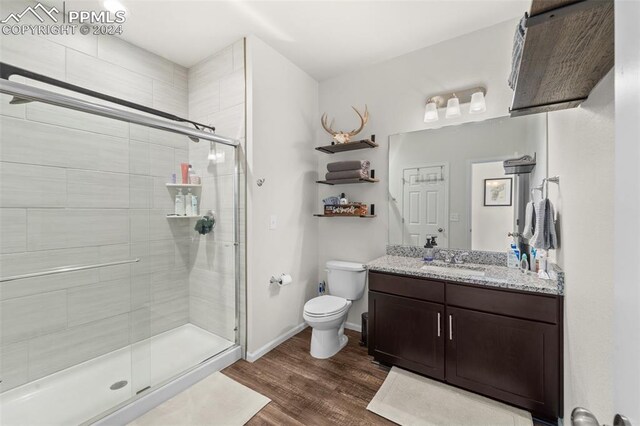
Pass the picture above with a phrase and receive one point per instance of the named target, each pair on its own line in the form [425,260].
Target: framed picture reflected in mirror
[498,192]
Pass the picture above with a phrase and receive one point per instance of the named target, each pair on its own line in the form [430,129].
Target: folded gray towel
[341,166]
[346,174]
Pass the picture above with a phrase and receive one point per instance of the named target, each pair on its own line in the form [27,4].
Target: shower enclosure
[105,294]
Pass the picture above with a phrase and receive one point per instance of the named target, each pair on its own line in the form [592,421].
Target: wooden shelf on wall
[337,215]
[347,181]
[568,48]
[349,146]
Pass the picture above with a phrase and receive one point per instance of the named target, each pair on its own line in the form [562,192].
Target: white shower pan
[82,393]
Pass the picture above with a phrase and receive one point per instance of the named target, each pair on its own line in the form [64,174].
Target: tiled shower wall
[217,97]
[77,189]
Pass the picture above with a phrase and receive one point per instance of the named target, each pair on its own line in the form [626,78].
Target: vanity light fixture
[453,107]
[474,96]
[477,105]
[431,112]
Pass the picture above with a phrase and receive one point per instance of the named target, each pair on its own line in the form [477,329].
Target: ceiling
[324,38]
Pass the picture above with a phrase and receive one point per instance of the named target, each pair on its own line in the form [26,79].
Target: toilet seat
[325,306]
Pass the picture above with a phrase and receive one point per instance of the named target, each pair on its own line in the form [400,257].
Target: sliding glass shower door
[104,292]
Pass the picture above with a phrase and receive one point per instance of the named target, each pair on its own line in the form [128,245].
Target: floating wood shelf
[349,146]
[337,215]
[568,48]
[346,181]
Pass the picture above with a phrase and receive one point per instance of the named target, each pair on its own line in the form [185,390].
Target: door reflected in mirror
[451,182]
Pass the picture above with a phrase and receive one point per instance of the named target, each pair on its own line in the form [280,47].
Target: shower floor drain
[118,385]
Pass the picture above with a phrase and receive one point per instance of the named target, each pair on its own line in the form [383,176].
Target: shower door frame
[138,404]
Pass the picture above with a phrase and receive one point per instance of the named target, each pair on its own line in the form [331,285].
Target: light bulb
[431,112]
[478,104]
[453,108]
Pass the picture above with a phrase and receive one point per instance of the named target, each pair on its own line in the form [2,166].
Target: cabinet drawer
[416,288]
[527,306]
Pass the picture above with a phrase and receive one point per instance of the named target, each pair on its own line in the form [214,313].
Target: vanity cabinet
[408,333]
[504,344]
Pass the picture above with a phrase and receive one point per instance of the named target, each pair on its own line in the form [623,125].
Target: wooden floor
[309,391]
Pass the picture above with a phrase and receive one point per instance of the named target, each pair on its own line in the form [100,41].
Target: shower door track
[26,93]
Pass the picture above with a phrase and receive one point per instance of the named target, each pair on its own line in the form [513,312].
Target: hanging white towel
[529,221]
[544,237]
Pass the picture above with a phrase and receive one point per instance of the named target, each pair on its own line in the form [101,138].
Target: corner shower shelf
[346,181]
[183,217]
[338,215]
[349,146]
[183,185]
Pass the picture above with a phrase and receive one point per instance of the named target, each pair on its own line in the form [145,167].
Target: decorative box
[351,209]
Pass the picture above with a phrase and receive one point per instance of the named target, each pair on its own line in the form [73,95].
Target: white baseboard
[254,356]
[352,326]
[132,411]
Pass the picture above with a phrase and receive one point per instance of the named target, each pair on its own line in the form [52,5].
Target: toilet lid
[325,305]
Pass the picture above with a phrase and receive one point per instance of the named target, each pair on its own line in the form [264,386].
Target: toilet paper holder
[283,279]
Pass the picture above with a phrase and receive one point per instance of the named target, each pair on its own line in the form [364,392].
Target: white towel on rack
[544,237]
[529,221]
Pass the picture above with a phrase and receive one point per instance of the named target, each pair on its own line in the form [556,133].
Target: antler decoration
[344,137]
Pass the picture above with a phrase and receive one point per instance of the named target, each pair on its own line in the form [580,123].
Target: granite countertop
[494,275]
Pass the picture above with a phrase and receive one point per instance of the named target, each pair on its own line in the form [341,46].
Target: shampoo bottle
[179,206]
[188,203]
[194,206]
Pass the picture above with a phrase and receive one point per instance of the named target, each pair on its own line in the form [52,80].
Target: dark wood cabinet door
[505,358]
[408,333]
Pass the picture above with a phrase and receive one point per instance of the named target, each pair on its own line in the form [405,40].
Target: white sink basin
[453,270]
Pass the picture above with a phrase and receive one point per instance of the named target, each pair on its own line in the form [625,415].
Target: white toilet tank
[346,279]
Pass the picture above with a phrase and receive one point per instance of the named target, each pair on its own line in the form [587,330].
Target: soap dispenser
[428,252]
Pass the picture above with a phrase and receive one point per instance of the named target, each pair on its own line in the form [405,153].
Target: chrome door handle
[438,324]
[450,328]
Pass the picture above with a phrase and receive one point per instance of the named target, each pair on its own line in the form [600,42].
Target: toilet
[327,314]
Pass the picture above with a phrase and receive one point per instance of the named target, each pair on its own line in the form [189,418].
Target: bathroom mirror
[450,182]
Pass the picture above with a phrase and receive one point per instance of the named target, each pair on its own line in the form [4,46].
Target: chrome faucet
[454,258]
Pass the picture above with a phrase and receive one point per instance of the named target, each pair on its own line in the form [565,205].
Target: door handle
[450,327]
[440,230]
[438,324]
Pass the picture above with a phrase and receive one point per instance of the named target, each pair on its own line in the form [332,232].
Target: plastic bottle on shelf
[179,205]
[195,210]
[188,203]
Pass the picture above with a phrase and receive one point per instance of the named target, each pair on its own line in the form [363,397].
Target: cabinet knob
[440,229]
